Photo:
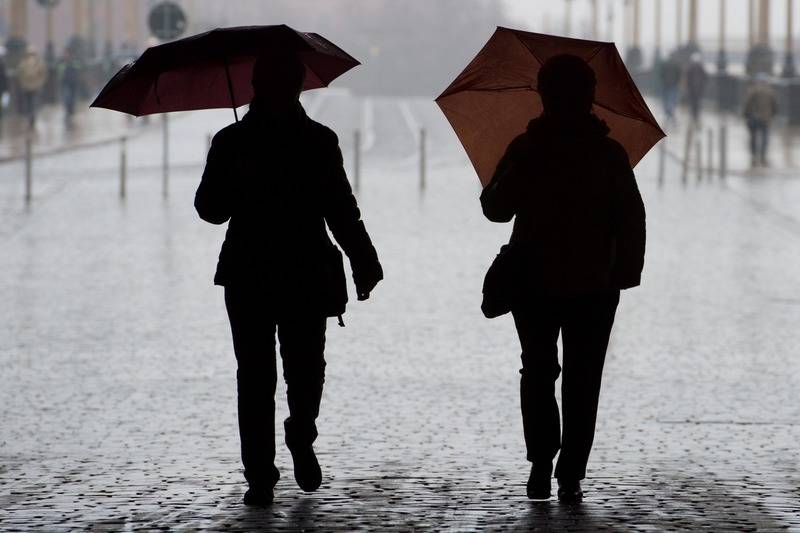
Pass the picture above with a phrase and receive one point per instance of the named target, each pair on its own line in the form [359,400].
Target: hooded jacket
[580,220]
[280,181]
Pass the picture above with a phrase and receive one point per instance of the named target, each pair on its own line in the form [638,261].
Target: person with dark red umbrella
[277,178]
[553,126]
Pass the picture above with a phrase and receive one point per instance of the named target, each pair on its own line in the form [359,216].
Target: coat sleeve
[498,198]
[213,198]
[628,223]
[342,213]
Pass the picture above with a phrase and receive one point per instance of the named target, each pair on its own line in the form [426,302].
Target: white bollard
[123,166]
[28,168]
[422,159]
[723,151]
[165,161]
[710,152]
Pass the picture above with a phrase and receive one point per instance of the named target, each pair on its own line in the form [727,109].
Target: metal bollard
[357,160]
[686,154]
[165,160]
[28,168]
[710,152]
[699,156]
[422,159]
[723,151]
[662,161]
[123,166]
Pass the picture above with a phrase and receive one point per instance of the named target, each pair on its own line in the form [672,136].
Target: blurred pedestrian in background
[696,81]
[31,76]
[671,74]
[760,107]
[3,82]
[70,70]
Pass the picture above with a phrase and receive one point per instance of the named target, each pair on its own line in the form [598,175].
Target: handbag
[503,282]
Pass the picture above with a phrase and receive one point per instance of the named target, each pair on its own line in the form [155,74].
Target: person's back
[572,190]
[696,77]
[578,238]
[761,103]
[670,74]
[278,208]
[760,107]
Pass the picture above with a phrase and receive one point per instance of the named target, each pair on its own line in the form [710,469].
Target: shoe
[258,497]
[569,491]
[539,482]
[307,472]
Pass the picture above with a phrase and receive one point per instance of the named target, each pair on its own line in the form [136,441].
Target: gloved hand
[366,277]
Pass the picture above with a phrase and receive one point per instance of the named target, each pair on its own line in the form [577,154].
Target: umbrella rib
[315,74]
[526,47]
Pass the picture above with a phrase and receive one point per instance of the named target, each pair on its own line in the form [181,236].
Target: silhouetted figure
[578,238]
[696,81]
[278,177]
[31,77]
[71,73]
[4,85]
[671,74]
[760,107]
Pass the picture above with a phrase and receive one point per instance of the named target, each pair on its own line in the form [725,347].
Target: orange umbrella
[494,98]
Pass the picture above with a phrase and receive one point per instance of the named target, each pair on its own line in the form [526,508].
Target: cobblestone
[117,390]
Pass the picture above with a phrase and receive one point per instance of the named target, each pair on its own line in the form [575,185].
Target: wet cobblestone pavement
[117,384]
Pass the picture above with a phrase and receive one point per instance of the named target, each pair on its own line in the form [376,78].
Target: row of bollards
[123,161]
[704,167]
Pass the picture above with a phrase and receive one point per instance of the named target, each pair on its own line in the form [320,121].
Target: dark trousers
[302,343]
[759,140]
[585,324]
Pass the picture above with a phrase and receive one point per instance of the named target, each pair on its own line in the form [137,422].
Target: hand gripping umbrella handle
[230,90]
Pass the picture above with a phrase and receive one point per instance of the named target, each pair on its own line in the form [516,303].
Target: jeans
[302,344]
[584,322]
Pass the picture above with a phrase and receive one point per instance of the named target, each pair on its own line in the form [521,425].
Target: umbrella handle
[230,90]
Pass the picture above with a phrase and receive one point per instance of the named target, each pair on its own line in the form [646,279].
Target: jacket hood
[586,126]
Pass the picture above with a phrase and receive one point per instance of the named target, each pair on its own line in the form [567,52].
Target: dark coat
[580,220]
[279,182]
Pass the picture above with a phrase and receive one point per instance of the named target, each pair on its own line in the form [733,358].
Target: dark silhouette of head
[566,85]
[278,80]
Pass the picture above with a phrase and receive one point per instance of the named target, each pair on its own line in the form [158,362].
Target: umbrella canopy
[494,98]
[214,69]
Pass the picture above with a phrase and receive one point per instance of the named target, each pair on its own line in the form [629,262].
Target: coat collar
[293,117]
[588,125]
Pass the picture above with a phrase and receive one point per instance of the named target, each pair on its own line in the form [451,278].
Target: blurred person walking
[760,107]
[578,239]
[696,81]
[671,74]
[70,71]
[4,85]
[31,76]
[278,177]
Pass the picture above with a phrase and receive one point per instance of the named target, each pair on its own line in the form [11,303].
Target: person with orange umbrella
[579,228]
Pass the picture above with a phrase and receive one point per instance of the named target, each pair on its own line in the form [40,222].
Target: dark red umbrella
[214,69]
[495,97]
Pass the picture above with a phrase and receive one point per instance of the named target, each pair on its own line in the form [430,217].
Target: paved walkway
[50,135]
[704,144]
[117,390]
